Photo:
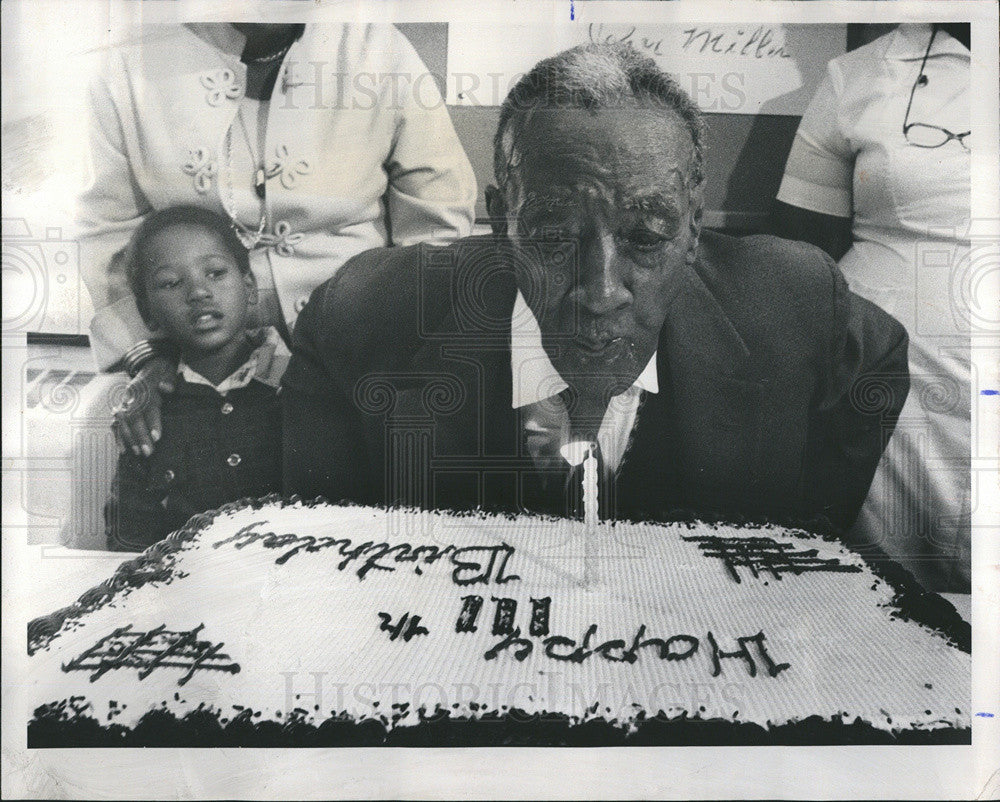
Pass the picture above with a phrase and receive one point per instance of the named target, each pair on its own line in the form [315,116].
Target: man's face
[604,217]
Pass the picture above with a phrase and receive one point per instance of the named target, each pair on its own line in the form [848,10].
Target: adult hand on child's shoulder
[137,419]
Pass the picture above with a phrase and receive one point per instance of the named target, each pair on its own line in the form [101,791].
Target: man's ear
[696,208]
[496,209]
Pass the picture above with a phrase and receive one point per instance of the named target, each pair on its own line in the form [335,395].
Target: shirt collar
[221,35]
[534,377]
[224,37]
[266,364]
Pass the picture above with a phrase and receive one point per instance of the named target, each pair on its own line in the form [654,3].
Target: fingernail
[135,450]
[155,434]
[146,451]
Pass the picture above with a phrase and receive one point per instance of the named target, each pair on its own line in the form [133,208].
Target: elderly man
[707,374]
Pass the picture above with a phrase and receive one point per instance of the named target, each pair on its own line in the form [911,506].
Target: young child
[221,426]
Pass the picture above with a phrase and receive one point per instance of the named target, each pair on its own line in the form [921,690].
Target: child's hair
[173,216]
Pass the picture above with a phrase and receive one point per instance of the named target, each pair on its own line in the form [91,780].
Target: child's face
[197,295]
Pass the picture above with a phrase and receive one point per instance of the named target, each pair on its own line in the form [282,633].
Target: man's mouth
[599,346]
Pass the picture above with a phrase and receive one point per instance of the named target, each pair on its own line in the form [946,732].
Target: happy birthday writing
[750,649]
[473,564]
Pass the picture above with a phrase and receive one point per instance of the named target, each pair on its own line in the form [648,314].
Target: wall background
[746,153]
[45,158]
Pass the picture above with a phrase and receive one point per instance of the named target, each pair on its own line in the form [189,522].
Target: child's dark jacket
[215,448]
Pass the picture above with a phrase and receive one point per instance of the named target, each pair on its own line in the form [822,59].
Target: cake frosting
[285,622]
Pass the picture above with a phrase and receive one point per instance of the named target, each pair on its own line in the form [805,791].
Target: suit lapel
[698,334]
[696,442]
[646,480]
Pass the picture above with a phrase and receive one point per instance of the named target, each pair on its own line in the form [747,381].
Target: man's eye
[643,239]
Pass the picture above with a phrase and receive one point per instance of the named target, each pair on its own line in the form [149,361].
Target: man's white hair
[592,77]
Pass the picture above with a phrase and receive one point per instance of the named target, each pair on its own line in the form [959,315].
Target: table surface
[61,575]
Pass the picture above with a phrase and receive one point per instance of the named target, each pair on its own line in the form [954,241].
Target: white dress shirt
[536,385]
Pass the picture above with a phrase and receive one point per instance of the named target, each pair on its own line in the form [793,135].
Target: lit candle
[590,516]
[586,452]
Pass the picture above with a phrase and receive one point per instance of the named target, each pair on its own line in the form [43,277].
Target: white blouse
[911,214]
[910,206]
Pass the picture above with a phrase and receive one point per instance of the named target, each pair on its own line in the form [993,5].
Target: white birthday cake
[288,623]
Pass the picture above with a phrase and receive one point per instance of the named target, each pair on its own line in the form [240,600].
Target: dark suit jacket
[779,387]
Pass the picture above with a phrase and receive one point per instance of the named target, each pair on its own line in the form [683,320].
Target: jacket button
[169,476]
[300,304]
[234,460]
[227,408]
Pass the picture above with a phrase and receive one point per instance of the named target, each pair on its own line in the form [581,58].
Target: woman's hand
[137,420]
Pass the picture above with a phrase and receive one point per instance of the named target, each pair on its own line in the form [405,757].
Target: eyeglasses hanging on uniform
[923,135]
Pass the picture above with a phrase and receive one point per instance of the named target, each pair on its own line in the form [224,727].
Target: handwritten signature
[757,43]
[600,34]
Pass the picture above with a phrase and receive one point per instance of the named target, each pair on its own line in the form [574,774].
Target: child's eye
[167,283]
[217,272]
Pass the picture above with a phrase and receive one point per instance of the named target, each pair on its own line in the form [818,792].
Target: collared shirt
[266,364]
[536,385]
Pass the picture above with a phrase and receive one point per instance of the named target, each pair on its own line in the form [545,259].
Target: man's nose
[600,289]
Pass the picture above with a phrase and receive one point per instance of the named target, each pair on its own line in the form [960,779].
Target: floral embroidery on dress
[288,170]
[221,84]
[202,167]
[284,240]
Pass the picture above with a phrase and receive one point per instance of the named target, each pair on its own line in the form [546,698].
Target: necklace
[250,238]
[268,58]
